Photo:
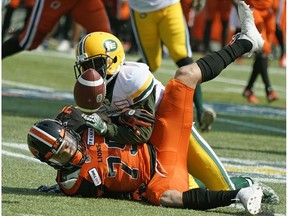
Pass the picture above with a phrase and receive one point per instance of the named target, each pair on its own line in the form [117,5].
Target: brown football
[89,91]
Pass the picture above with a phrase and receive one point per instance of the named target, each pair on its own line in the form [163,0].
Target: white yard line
[251,125]
[26,85]
[22,156]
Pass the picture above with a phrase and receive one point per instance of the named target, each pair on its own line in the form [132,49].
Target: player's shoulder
[135,78]
[134,70]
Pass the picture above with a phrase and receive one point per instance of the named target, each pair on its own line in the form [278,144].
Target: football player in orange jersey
[93,166]
[281,31]
[223,8]
[265,19]
[90,14]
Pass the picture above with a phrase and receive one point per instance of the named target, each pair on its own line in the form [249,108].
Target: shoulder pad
[136,80]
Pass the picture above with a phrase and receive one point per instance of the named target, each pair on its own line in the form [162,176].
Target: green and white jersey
[150,5]
[133,84]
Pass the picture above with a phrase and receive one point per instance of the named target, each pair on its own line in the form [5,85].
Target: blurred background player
[190,10]
[67,34]
[46,14]
[10,8]
[265,19]
[280,34]
[212,9]
[119,15]
[162,22]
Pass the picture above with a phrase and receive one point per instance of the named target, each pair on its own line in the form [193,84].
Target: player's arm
[130,129]
[72,118]
[127,132]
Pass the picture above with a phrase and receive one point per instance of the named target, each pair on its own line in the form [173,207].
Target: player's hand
[95,122]
[134,117]
[51,189]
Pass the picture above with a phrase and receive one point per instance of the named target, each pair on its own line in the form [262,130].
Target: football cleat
[207,118]
[269,195]
[63,46]
[248,28]
[251,198]
[272,96]
[250,96]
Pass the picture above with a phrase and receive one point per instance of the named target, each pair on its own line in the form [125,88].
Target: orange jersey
[265,20]
[117,167]
[261,5]
[223,7]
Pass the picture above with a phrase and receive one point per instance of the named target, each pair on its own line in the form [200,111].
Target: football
[89,91]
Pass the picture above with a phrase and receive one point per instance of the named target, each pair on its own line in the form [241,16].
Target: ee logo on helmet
[110,45]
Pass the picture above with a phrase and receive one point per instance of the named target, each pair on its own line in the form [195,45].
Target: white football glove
[95,122]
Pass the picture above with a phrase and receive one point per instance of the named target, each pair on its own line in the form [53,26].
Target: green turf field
[250,140]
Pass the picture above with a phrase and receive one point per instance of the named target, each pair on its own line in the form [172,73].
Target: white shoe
[251,198]
[207,118]
[64,46]
[248,28]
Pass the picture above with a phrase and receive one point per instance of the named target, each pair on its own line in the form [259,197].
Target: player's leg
[270,20]
[9,10]
[202,199]
[211,7]
[170,136]
[225,10]
[211,65]
[84,12]
[202,157]
[43,18]
[182,116]
[147,37]
[178,44]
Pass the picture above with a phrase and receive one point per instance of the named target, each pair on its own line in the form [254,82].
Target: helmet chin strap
[110,79]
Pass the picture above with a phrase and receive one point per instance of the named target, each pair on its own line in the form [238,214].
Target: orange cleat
[272,96]
[250,96]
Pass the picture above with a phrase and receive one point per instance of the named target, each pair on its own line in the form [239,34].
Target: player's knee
[189,75]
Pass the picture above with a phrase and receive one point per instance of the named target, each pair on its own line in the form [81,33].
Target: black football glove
[70,116]
[95,122]
[134,117]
